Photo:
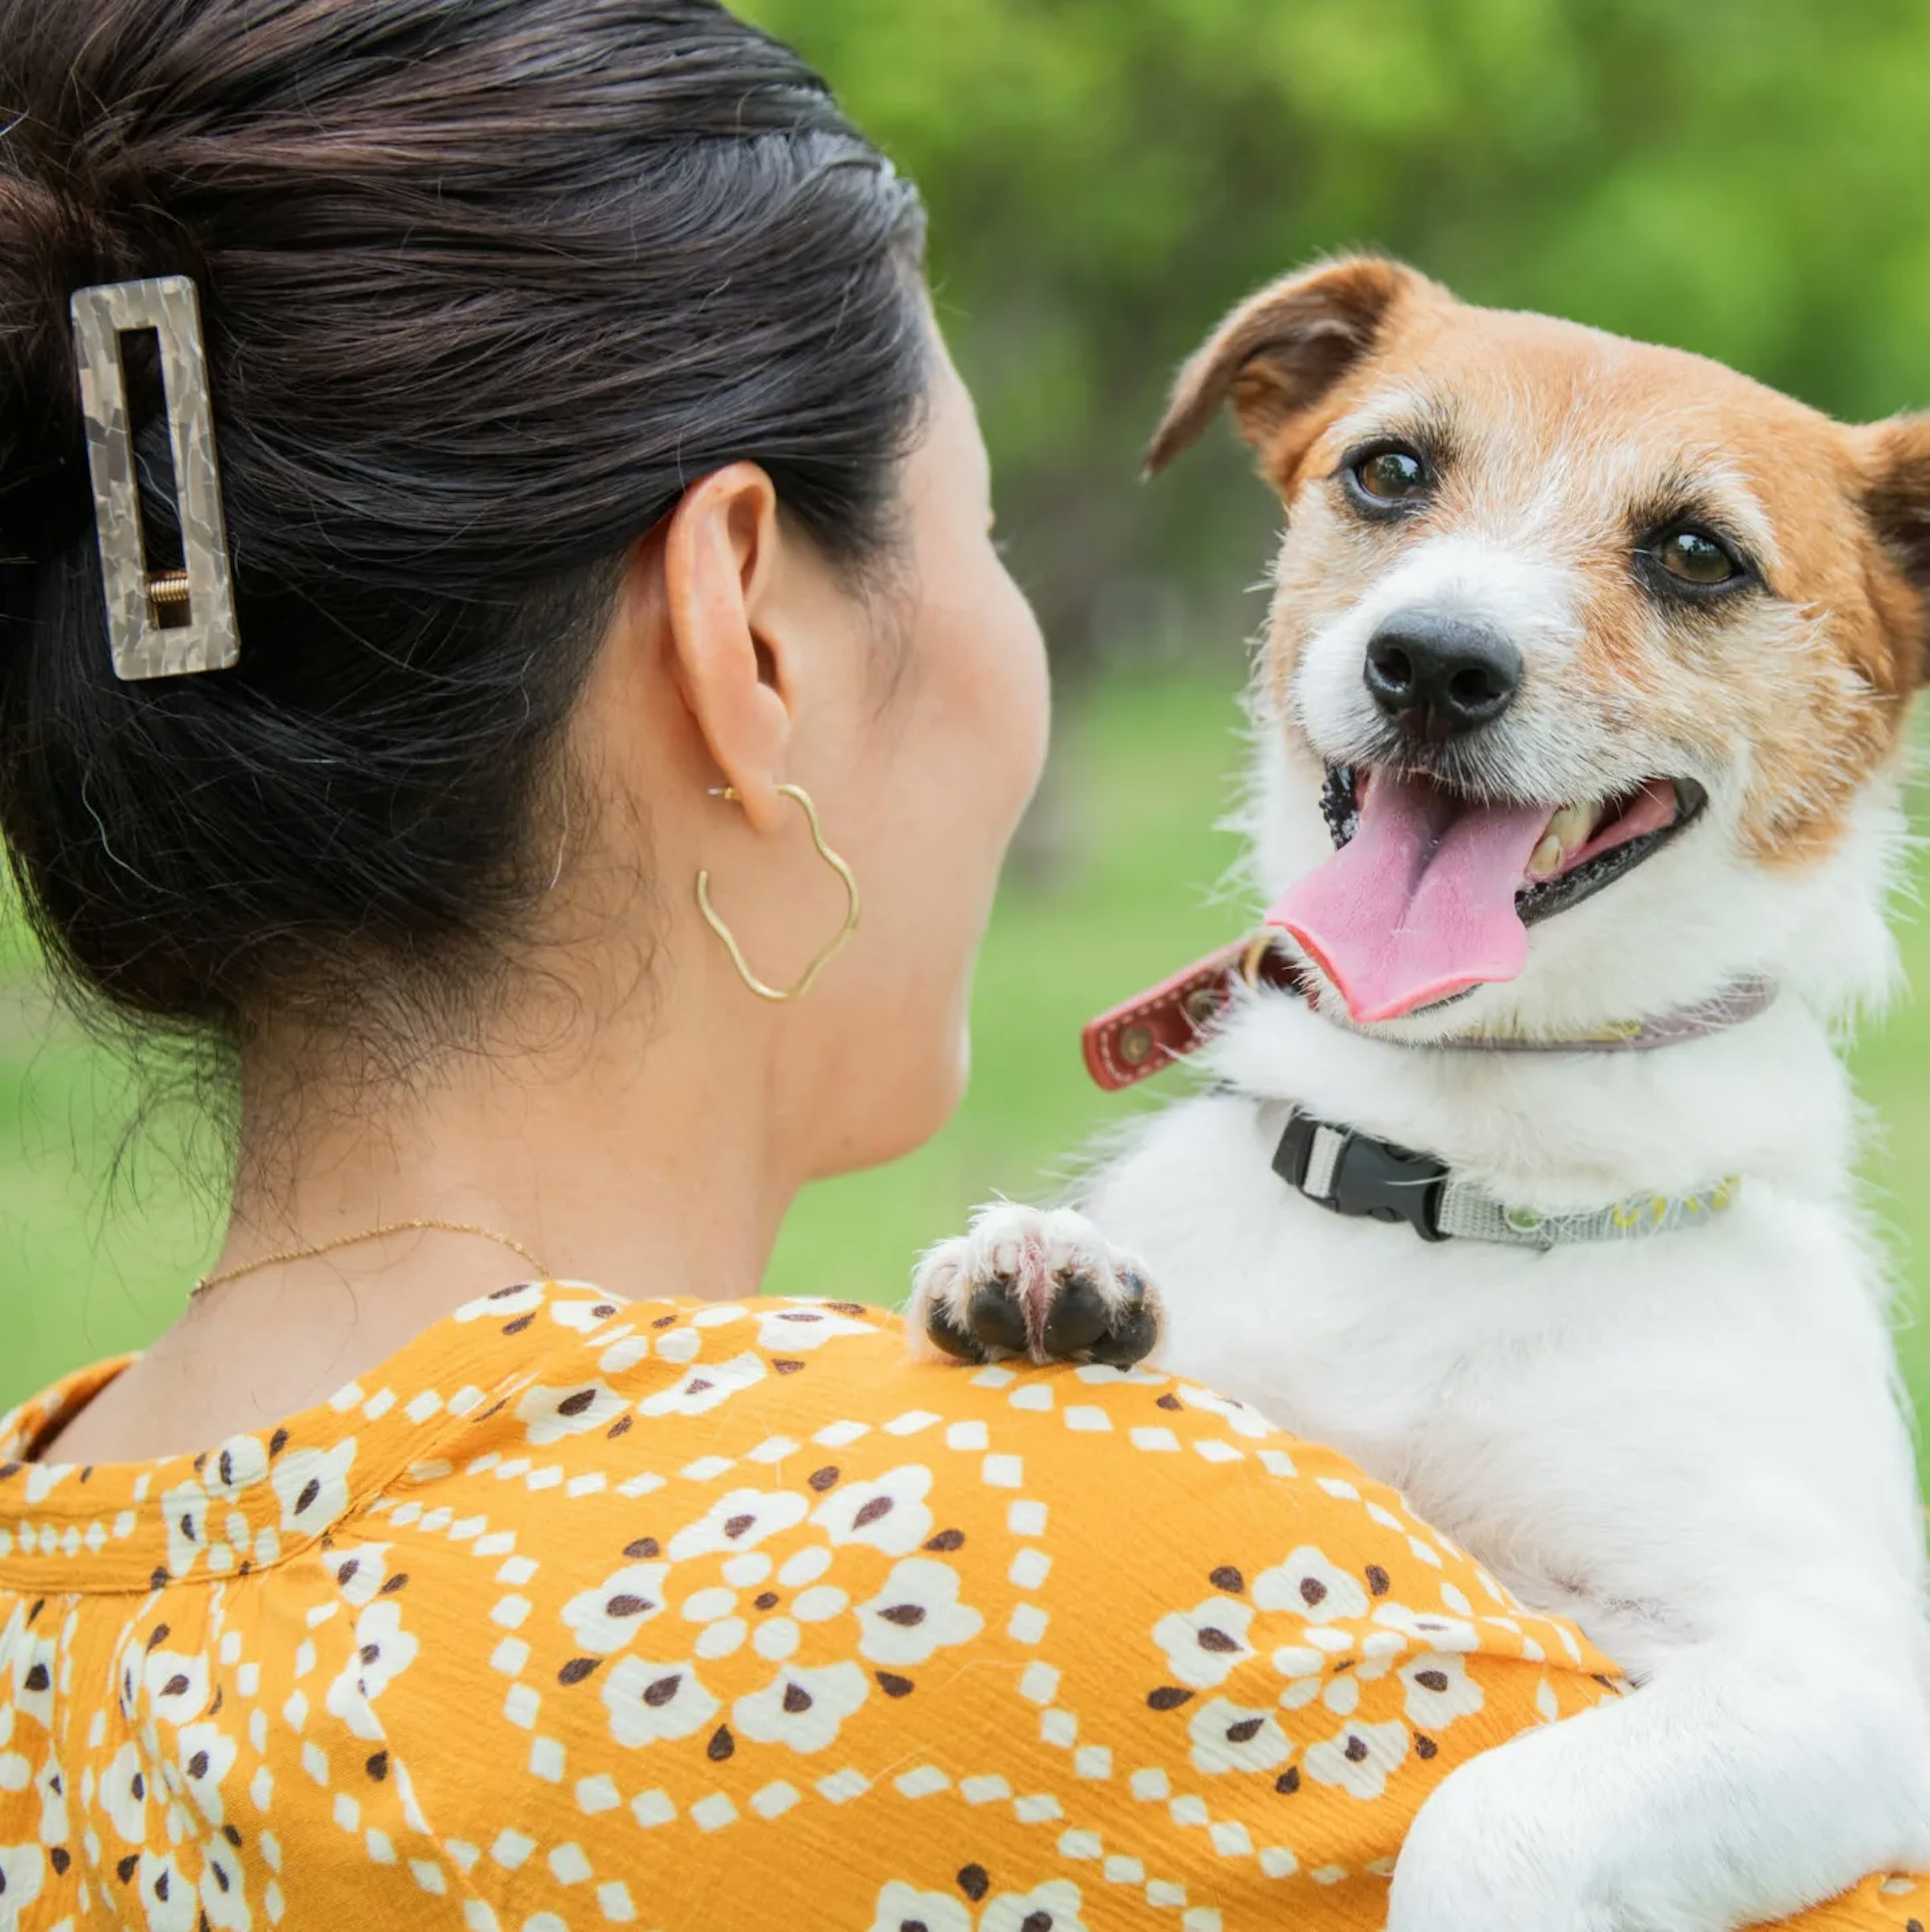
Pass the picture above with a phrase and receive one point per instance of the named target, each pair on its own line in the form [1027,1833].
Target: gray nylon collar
[1364,1178]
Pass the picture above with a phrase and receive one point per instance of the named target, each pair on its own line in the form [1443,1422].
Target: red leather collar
[1151,1031]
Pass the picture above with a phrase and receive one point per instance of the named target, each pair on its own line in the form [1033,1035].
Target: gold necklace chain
[421,1224]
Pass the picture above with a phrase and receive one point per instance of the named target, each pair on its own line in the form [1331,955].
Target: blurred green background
[1748,178]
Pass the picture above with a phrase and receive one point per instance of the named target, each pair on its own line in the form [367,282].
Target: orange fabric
[581,1613]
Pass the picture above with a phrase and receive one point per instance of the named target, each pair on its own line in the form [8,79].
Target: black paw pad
[1078,1318]
[1134,1333]
[992,1315]
[946,1334]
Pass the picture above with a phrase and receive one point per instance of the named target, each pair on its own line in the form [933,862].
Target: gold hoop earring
[801,798]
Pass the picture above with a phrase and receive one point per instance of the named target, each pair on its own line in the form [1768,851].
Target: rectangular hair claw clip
[173,623]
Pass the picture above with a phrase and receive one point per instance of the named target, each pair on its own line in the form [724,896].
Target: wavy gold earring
[801,798]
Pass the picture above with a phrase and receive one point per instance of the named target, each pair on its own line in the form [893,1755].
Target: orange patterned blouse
[581,1613]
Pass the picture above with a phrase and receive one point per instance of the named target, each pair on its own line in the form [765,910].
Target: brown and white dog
[1581,713]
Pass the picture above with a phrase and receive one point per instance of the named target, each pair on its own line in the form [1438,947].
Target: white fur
[1693,1445]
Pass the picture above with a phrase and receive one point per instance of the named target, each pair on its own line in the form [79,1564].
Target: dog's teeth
[1569,830]
[1573,826]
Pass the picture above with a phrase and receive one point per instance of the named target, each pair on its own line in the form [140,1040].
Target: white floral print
[176,1685]
[52,1788]
[506,1304]
[806,1566]
[802,1709]
[899,1905]
[383,1651]
[819,1604]
[33,1663]
[360,1570]
[1311,1587]
[23,1872]
[1204,1644]
[1241,1420]
[704,1386]
[723,1631]
[1056,1903]
[185,1508]
[1358,1758]
[1295,1660]
[240,1463]
[1228,1736]
[604,1619]
[1439,1690]
[650,1703]
[313,1485]
[205,1755]
[549,1414]
[172,1904]
[890,1514]
[224,1895]
[123,1794]
[1436,1632]
[789,1330]
[1057,1900]
[776,1639]
[916,1612]
[739,1521]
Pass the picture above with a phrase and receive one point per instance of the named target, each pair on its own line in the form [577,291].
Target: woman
[610,539]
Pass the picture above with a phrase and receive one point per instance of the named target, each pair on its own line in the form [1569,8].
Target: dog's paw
[1040,1282]
[1493,1851]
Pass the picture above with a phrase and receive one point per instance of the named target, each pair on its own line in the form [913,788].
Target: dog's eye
[1694,557]
[1390,475]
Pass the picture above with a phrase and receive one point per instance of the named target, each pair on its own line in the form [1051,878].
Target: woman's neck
[646,1157]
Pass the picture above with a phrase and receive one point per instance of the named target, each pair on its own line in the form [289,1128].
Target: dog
[1524,1173]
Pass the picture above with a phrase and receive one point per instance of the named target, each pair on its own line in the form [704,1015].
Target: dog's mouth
[1431,890]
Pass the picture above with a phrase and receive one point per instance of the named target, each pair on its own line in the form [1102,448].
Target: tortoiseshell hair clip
[172,623]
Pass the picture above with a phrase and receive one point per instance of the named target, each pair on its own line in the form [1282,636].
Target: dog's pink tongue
[1419,903]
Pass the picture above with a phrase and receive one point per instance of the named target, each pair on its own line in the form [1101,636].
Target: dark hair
[485,285]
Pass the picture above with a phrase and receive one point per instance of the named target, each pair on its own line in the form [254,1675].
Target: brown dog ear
[1280,351]
[1896,497]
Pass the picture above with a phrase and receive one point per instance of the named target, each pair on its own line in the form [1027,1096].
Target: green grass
[92,1262]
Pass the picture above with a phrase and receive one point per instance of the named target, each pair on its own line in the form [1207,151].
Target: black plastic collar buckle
[1372,1180]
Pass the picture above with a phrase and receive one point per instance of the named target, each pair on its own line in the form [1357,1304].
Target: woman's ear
[1279,353]
[721,551]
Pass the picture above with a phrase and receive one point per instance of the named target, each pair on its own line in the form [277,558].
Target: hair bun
[48,247]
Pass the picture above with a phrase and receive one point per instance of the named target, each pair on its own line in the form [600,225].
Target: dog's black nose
[1438,676]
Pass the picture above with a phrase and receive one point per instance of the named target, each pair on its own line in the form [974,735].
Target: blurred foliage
[1747,178]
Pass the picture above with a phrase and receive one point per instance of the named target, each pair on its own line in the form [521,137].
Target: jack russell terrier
[1525,1173]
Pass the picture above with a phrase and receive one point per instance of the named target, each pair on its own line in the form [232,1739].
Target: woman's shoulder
[1080,1640]
[560,1416]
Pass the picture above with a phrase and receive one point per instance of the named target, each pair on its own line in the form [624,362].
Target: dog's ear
[1896,497]
[1279,352]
